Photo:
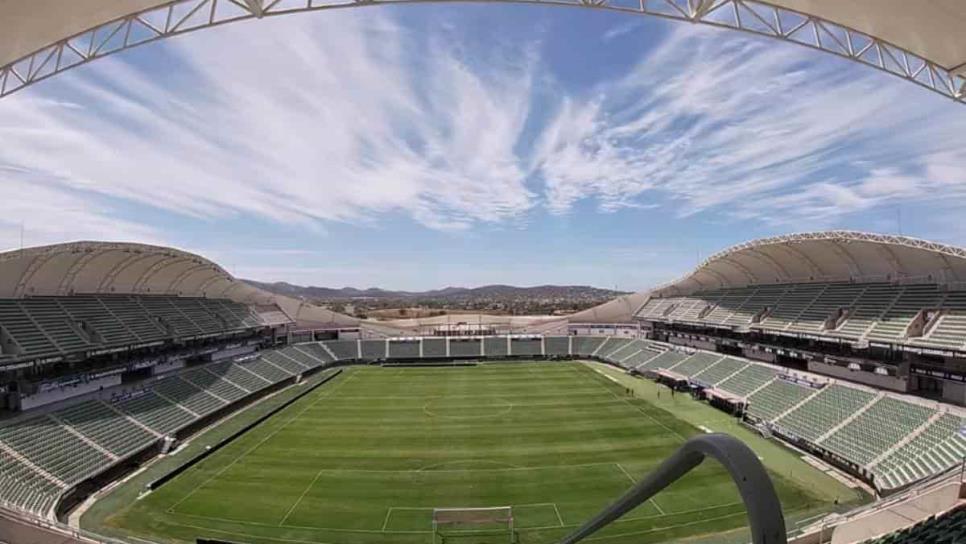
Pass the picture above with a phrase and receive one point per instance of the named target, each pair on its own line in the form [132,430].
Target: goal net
[460,524]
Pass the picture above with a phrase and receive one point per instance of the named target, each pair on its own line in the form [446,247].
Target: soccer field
[366,457]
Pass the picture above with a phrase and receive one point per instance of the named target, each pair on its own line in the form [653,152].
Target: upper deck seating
[892,325]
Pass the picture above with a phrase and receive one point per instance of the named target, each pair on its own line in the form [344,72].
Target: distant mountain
[447,293]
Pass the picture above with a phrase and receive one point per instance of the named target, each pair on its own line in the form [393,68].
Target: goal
[455,524]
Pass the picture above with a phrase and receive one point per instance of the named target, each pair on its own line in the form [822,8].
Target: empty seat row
[50,326]
[42,455]
[880,312]
[830,407]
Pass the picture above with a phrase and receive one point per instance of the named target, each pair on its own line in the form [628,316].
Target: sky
[418,147]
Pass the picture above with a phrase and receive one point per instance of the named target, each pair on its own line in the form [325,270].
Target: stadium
[804,388]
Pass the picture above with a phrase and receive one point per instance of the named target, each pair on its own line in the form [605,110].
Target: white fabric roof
[825,256]
[109,267]
[931,29]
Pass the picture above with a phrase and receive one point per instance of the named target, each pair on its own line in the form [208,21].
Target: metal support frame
[757,491]
[753,16]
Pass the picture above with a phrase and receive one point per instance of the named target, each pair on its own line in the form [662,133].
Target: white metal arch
[759,17]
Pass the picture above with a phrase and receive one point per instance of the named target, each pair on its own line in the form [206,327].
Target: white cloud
[306,120]
[340,118]
[753,129]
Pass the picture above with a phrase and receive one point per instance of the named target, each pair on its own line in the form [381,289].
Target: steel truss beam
[753,16]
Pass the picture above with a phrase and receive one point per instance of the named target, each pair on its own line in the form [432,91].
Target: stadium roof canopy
[126,268]
[827,257]
[922,41]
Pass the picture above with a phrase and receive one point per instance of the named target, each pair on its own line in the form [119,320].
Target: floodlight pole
[757,492]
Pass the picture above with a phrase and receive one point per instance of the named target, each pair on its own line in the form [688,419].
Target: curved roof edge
[131,268]
[826,256]
[921,42]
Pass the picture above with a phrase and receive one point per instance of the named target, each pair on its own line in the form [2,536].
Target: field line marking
[648,416]
[557,510]
[628,474]
[424,471]
[634,482]
[260,442]
[302,496]
[669,527]
[337,530]
[501,505]
[386,522]
[248,535]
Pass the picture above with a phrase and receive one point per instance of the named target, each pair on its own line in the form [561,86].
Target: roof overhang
[127,268]
[830,256]
[922,42]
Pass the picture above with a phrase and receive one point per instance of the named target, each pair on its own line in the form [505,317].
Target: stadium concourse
[846,346]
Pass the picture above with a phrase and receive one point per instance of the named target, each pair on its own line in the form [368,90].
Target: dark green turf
[366,457]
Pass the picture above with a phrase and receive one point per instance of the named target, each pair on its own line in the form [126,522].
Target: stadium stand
[822,412]
[557,345]
[724,368]
[777,398]
[434,347]
[373,349]
[748,380]
[344,350]
[267,370]
[935,449]
[526,346]
[495,346]
[664,360]
[465,347]
[50,326]
[877,312]
[404,349]
[612,346]
[587,345]
[696,363]
[877,429]
[947,528]
[43,455]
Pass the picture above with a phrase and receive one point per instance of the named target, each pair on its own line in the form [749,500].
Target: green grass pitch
[365,458]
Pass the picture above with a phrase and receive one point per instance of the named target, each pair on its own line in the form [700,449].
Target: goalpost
[455,522]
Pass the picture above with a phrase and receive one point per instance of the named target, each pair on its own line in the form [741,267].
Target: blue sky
[416,147]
